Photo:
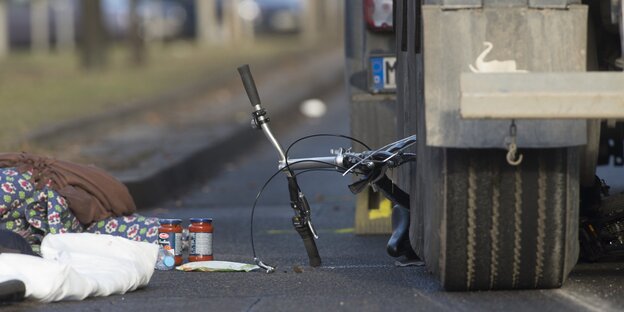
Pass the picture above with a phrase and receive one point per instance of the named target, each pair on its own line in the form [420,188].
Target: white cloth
[79,265]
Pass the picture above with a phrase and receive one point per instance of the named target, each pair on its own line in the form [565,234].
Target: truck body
[508,119]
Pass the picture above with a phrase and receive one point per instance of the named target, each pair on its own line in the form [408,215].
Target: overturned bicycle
[601,229]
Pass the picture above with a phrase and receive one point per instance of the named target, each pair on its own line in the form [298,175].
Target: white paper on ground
[80,265]
[217,266]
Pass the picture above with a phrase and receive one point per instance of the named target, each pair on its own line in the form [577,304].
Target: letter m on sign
[389,69]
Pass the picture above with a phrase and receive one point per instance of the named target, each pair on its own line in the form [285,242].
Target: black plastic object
[310,245]
[398,244]
[11,242]
[393,192]
[358,186]
[12,291]
[300,221]
[249,84]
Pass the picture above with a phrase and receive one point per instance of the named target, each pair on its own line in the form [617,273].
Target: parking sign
[382,77]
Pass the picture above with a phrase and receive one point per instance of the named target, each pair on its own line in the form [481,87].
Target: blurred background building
[44,25]
[67,60]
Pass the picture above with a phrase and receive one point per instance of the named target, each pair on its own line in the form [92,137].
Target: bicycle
[371,165]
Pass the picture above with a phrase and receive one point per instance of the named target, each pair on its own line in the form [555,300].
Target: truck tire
[490,225]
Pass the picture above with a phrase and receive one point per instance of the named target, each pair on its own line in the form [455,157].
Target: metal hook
[511,155]
[512,148]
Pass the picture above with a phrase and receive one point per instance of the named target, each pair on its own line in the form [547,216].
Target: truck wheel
[489,225]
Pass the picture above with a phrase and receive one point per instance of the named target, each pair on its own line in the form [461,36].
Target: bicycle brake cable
[268,268]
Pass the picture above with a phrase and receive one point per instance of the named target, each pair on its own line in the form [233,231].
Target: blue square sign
[382,76]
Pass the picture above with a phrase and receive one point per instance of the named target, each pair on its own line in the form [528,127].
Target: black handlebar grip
[249,84]
[310,245]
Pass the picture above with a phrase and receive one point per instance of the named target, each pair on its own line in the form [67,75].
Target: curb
[174,179]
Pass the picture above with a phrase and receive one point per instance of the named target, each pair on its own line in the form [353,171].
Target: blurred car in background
[162,19]
[166,19]
[279,16]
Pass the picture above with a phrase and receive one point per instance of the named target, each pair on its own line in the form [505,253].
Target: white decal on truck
[493,66]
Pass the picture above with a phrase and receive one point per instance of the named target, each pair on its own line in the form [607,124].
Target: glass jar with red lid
[200,232]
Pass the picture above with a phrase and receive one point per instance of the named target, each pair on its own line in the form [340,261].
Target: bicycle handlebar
[382,158]
[345,160]
[312,163]
[310,245]
[249,84]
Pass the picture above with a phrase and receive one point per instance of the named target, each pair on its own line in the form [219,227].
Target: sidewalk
[183,136]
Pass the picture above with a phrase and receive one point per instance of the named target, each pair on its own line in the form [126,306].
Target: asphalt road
[356,274]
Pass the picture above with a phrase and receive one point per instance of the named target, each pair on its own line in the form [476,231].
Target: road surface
[356,274]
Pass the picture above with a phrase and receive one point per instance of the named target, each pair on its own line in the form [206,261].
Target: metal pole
[622,33]
[64,24]
[39,31]
[206,22]
[310,27]
[232,21]
[4,30]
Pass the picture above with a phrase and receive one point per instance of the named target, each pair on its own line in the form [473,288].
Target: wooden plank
[373,214]
[542,95]
[372,122]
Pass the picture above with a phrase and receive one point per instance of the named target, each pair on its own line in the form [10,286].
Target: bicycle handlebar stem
[271,138]
[260,119]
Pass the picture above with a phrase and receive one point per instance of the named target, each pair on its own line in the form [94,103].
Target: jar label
[201,244]
[171,240]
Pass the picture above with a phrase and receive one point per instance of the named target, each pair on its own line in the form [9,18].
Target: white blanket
[76,266]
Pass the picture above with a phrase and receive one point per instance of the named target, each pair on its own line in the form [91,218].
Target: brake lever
[395,148]
[304,217]
[402,144]
[370,179]
[308,216]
